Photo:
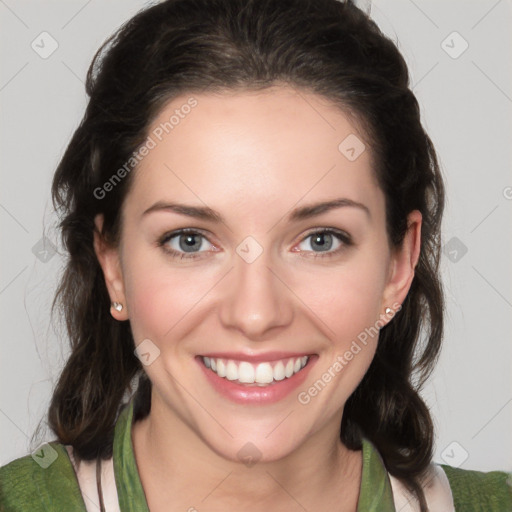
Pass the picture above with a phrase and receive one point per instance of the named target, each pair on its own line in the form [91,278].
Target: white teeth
[264,373]
[279,371]
[289,368]
[231,371]
[260,374]
[221,368]
[246,372]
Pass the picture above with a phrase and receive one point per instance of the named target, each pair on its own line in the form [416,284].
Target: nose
[255,302]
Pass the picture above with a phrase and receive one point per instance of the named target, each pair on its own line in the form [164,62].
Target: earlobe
[403,262]
[108,258]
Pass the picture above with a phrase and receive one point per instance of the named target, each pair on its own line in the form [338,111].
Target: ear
[110,263]
[402,264]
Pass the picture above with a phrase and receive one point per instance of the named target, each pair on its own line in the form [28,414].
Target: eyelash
[344,238]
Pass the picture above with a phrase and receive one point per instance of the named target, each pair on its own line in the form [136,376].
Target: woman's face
[254,284]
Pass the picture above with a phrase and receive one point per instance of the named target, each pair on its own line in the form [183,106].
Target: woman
[252,211]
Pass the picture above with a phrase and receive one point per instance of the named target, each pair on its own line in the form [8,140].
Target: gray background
[466,101]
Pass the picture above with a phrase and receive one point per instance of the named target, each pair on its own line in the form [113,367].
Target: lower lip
[254,394]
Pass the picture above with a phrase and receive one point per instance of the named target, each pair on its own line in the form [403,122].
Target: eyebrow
[313,210]
[301,213]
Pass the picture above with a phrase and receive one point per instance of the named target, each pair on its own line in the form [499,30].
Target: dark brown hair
[327,47]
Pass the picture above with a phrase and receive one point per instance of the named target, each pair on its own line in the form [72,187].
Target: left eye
[323,241]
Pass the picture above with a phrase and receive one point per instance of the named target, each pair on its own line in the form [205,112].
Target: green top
[45,481]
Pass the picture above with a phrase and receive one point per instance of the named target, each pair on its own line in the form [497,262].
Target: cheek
[159,297]
[347,301]
[347,298]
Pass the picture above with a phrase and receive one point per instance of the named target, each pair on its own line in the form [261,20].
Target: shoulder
[477,490]
[43,481]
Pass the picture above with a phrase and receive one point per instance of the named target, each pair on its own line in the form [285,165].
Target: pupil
[322,244]
[188,242]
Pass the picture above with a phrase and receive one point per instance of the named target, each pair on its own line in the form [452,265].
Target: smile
[261,374]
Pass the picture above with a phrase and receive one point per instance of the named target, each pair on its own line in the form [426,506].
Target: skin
[253,157]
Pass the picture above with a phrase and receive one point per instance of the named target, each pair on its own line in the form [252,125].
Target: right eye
[184,243]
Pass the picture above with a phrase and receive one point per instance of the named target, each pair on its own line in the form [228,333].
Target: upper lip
[256,358]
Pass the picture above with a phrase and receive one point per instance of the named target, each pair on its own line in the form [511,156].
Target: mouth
[260,374]
[263,379]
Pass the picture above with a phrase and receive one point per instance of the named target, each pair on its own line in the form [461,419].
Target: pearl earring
[117,306]
[388,311]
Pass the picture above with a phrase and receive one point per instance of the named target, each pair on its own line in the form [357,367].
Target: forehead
[259,148]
